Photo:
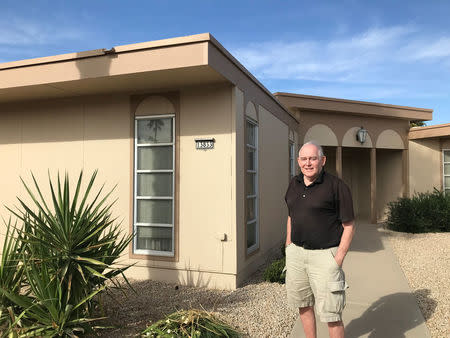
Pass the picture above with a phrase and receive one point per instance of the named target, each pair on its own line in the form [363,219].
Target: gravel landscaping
[259,309]
[425,260]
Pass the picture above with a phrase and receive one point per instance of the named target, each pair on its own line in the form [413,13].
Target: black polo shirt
[317,211]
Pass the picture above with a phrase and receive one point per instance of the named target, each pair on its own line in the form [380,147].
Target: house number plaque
[204,144]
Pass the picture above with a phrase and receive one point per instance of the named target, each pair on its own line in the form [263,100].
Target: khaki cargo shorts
[314,278]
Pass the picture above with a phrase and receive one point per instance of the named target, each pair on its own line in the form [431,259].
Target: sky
[394,52]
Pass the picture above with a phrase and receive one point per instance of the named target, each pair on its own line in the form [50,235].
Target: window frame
[444,188]
[136,171]
[254,197]
[292,161]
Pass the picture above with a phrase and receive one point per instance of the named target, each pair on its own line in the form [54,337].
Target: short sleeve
[289,193]
[346,213]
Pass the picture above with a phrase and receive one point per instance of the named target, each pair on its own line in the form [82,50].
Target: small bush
[274,272]
[424,212]
[192,323]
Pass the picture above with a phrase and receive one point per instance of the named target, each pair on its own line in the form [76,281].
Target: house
[201,152]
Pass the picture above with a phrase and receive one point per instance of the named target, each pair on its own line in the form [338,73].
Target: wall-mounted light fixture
[361,135]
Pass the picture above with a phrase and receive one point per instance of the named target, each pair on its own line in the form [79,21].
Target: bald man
[320,229]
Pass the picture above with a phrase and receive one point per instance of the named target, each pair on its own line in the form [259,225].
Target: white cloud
[18,32]
[382,55]
[432,50]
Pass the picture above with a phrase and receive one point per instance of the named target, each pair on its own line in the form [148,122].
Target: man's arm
[288,231]
[346,239]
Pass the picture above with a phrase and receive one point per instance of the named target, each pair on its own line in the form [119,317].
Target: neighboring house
[201,152]
[429,158]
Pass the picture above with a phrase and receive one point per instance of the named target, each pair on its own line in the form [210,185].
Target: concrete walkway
[380,303]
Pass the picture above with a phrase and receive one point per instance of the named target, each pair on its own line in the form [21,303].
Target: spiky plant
[69,247]
[191,323]
[11,274]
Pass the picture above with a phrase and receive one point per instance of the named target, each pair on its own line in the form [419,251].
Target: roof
[163,64]
[301,102]
[435,131]
[101,52]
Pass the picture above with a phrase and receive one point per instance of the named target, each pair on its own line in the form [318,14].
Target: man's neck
[308,181]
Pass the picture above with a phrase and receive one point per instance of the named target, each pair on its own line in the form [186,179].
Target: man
[320,228]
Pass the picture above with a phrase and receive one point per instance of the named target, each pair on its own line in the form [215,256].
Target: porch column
[339,161]
[373,185]
[405,165]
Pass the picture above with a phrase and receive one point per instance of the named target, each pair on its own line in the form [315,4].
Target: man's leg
[308,319]
[328,284]
[299,293]
[336,329]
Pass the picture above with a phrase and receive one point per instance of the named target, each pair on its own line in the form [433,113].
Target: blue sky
[395,52]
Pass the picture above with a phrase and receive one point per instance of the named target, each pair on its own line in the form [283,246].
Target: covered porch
[377,168]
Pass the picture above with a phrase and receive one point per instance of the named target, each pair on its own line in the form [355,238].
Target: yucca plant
[11,274]
[46,310]
[69,246]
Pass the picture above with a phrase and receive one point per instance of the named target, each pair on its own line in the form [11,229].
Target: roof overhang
[157,65]
[436,131]
[160,64]
[299,102]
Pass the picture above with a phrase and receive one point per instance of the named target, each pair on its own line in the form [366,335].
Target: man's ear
[324,159]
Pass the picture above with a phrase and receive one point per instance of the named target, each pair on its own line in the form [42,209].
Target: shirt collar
[318,180]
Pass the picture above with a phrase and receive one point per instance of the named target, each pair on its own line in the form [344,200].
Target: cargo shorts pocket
[335,297]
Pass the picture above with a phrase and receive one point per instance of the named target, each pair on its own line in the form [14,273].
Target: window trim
[255,196]
[444,188]
[292,165]
[136,171]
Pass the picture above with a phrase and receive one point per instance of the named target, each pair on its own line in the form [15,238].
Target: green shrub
[274,272]
[192,323]
[424,212]
[67,247]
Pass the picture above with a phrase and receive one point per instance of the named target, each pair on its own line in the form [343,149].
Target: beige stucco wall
[273,180]
[424,165]
[96,133]
[206,189]
[356,174]
[321,134]
[330,164]
[340,124]
[273,138]
[390,139]
[66,135]
[389,179]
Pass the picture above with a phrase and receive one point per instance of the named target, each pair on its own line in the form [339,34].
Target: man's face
[309,161]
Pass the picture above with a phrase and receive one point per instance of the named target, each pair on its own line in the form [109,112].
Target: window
[154,185]
[252,186]
[446,175]
[291,159]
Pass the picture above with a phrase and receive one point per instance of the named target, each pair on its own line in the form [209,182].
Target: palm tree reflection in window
[155,124]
